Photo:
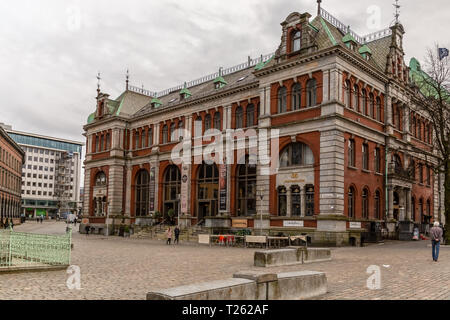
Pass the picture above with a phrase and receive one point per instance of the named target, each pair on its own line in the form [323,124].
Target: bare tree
[433,99]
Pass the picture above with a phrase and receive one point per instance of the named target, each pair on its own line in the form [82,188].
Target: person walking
[436,239]
[177,235]
[169,236]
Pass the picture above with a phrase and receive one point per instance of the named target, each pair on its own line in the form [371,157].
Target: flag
[443,52]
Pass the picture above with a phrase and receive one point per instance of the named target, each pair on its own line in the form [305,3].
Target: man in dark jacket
[436,239]
[177,235]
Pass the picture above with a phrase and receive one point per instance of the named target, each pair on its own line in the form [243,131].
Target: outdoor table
[277,241]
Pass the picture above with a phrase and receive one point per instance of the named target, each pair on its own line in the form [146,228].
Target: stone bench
[292,256]
[231,289]
[251,285]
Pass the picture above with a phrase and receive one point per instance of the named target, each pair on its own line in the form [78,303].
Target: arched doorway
[142,185]
[172,190]
[207,191]
[396,205]
[246,189]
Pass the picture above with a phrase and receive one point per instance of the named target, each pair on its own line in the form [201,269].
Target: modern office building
[354,155]
[11,160]
[51,174]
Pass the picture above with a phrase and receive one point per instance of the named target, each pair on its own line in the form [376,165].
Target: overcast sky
[51,50]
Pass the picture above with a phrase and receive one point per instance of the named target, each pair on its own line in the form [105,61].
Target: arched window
[351,202]
[296,203]
[378,109]
[207,122]
[246,189]
[150,137]
[428,208]
[296,96]
[282,201]
[171,189]
[421,213]
[296,41]
[365,203]
[250,115]
[428,176]
[296,154]
[309,190]
[420,173]
[412,169]
[351,152]
[355,101]
[282,97]
[311,93]
[100,179]
[142,188]
[371,105]
[364,102]
[413,209]
[377,203]
[348,93]
[180,130]
[217,121]
[172,136]
[398,166]
[165,133]
[208,191]
[239,118]
[413,126]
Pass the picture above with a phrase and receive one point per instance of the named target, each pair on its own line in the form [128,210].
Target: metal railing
[21,250]
[341,26]
[250,63]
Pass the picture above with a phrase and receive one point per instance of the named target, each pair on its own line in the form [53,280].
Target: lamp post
[261,196]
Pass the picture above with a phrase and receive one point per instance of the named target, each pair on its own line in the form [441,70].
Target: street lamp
[261,196]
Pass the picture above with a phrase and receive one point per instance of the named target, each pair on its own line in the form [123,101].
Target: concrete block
[230,289]
[281,257]
[316,255]
[298,285]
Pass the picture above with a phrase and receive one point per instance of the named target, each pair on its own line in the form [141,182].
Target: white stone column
[326,85]
[408,204]
[391,203]
[128,191]
[87,191]
[289,202]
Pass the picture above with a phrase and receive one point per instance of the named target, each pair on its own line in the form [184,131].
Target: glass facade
[45,143]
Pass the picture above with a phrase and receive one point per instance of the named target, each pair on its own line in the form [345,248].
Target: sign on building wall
[223,187]
[242,223]
[355,225]
[184,189]
[152,188]
[294,224]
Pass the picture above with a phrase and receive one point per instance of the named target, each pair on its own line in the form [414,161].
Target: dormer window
[365,52]
[156,103]
[296,41]
[185,93]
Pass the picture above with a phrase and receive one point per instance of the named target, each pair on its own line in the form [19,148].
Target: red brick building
[348,142]
[11,161]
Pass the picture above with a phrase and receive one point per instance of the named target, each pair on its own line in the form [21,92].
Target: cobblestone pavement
[117,268]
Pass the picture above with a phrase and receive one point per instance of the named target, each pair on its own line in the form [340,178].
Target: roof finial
[397,11]
[318,7]
[128,78]
[98,83]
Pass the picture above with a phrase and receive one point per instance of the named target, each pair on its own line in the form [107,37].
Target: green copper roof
[156,102]
[365,49]
[417,76]
[186,92]
[91,118]
[220,79]
[261,65]
[327,30]
[348,37]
